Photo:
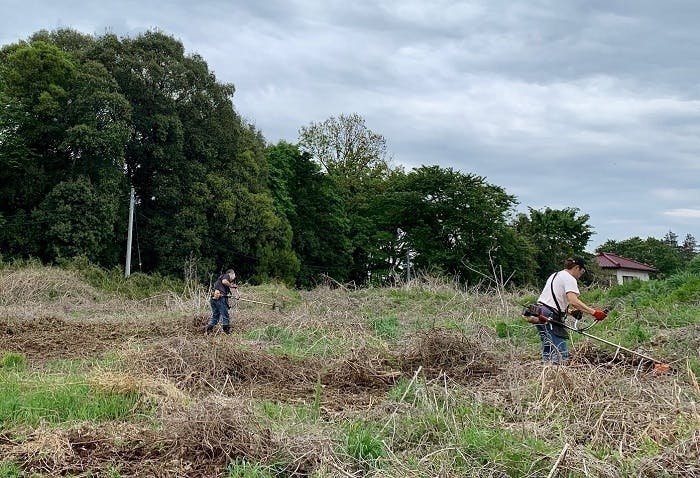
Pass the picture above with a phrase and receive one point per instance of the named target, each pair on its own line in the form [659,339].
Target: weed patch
[33,398]
[385,327]
[10,469]
[298,344]
[243,469]
[13,360]
[363,444]
[431,379]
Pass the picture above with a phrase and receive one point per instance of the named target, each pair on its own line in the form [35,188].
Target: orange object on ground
[661,368]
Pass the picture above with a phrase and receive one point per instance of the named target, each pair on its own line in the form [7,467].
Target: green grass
[516,455]
[404,390]
[244,469]
[516,328]
[386,327]
[281,413]
[473,429]
[681,288]
[137,286]
[13,360]
[363,444]
[277,293]
[28,399]
[298,344]
[10,469]
[635,334]
[108,361]
[694,364]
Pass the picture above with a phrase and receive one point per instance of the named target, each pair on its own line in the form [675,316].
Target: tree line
[85,118]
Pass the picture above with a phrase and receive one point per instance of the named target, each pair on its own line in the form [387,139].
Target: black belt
[554,311]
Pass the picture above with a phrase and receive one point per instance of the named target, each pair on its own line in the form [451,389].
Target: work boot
[227,329]
[210,329]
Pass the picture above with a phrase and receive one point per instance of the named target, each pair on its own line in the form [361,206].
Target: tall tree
[671,239]
[556,234]
[354,157]
[689,248]
[62,120]
[344,146]
[74,216]
[453,222]
[316,212]
[199,170]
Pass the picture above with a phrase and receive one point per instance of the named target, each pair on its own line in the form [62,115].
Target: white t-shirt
[563,283]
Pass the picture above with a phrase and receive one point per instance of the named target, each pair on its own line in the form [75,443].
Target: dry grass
[615,416]
[38,286]
[440,351]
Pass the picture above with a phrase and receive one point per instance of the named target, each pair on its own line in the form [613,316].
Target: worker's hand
[599,314]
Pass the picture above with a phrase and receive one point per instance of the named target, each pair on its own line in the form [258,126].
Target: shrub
[137,286]
[694,265]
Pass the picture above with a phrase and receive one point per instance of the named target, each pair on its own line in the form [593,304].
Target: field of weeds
[427,379]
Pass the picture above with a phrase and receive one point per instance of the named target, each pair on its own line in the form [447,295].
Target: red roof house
[623,268]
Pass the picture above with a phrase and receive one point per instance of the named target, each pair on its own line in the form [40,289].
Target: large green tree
[452,222]
[355,159]
[62,121]
[199,170]
[135,111]
[309,200]
[74,216]
[556,234]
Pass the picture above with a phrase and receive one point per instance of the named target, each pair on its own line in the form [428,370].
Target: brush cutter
[274,305]
[659,366]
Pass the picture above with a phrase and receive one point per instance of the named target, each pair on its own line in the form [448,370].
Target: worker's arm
[573,299]
[576,302]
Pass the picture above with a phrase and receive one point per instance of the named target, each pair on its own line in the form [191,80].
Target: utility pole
[127,269]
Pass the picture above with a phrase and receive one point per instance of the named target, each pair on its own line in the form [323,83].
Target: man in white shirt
[561,291]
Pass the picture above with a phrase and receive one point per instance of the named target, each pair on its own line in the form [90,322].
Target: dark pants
[219,310]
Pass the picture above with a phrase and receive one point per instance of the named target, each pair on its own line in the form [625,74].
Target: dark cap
[576,261]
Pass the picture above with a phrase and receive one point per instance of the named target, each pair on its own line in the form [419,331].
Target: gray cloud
[588,104]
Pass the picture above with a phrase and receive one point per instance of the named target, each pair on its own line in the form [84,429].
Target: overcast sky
[579,103]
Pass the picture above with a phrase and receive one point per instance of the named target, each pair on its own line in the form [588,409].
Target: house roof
[608,260]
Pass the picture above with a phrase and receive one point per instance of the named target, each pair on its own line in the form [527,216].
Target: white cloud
[684,213]
[675,194]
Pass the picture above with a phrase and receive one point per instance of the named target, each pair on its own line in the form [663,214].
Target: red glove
[599,314]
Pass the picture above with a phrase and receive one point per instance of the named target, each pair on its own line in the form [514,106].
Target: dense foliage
[83,119]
